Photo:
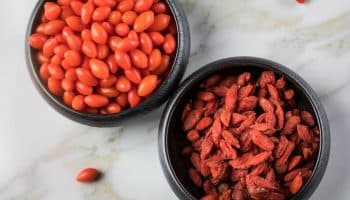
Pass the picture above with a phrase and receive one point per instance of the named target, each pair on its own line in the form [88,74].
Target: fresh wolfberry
[87,175]
[97,51]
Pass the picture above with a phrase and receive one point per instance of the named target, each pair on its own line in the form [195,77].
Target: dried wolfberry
[262,141]
[206,147]
[296,184]
[225,118]
[228,136]
[204,123]
[228,151]
[250,141]
[195,177]
[231,98]
[191,120]
[307,118]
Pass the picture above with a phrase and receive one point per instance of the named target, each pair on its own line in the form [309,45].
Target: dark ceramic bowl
[171,141]
[159,97]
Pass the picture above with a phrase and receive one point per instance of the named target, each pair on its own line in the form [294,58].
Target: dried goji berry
[296,184]
[206,96]
[243,78]
[220,90]
[204,123]
[294,161]
[267,77]
[191,120]
[247,103]
[244,132]
[231,98]
[307,119]
[262,141]
[225,118]
[206,147]
[228,136]
[245,91]
[193,136]
[304,133]
[266,105]
[228,151]
[291,125]
[195,177]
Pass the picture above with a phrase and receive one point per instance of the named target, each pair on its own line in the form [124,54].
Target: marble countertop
[41,151]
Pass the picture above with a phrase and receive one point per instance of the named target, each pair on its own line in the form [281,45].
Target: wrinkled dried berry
[248,139]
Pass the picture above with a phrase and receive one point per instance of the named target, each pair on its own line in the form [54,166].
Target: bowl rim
[168,86]
[196,77]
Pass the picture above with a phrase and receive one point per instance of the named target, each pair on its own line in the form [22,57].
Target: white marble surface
[41,151]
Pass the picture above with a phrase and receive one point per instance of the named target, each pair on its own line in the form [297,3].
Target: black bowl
[159,97]
[171,141]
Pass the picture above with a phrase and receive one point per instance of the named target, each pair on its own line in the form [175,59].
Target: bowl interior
[179,62]
[175,140]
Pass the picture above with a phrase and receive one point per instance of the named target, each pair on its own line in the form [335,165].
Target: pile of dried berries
[248,139]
